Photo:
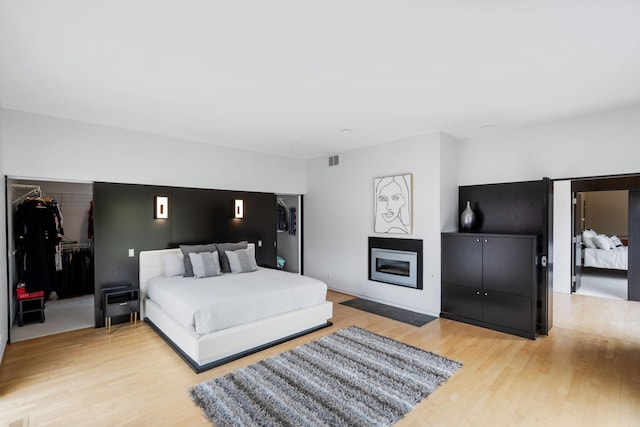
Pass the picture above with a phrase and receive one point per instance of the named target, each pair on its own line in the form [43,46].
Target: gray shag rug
[351,377]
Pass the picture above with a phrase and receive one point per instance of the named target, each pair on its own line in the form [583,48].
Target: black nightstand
[118,301]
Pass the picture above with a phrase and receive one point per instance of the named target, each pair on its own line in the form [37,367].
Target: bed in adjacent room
[230,307]
[604,251]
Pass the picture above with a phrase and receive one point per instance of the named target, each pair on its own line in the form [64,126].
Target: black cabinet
[490,280]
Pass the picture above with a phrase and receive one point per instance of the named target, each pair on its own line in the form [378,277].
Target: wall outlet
[131,253]
[259,243]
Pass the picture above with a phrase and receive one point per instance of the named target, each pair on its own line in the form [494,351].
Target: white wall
[338,212]
[4,294]
[594,145]
[449,217]
[562,235]
[37,146]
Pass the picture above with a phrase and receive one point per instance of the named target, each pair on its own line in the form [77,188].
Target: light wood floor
[585,373]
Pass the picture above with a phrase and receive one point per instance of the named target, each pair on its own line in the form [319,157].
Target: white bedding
[215,303]
[607,258]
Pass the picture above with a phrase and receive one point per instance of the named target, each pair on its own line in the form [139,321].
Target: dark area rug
[389,311]
[351,377]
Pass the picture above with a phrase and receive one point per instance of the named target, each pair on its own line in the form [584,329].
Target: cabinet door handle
[486,240]
[485,294]
[478,293]
[477,240]
[123,303]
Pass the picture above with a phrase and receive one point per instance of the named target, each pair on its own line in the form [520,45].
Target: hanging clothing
[39,229]
[282,222]
[90,221]
[293,221]
[77,273]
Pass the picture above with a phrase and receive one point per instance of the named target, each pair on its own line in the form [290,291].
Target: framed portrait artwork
[393,204]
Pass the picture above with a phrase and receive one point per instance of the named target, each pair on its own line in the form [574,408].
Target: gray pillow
[222,248]
[187,249]
[205,264]
[241,261]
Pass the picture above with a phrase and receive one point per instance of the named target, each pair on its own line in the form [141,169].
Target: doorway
[68,288]
[602,228]
[613,203]
[289,233]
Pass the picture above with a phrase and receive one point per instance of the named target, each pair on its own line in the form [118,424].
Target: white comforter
[214,303]
[607,258]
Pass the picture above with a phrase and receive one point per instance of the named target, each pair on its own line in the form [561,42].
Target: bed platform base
[201,368]
[208,351]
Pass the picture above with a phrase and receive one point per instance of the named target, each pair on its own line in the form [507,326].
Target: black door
[577,219]
[462,260]
[520,208]
[507,265]
[633,272]
[462,301]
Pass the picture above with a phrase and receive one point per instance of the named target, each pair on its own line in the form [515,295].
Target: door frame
[630,182]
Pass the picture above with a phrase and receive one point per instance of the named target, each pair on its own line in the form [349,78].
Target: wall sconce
[238,210]
[162,207]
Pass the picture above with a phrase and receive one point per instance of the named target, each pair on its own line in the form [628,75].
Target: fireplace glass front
[394,266]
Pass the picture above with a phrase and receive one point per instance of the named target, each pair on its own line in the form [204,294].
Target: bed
[604,251]
[616,259]
[210,321]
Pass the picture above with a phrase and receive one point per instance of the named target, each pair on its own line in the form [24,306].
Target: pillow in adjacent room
[187,249]
[172,265]
[241,261]
[602,241]
[222,250]
[587,239]
[615,241]
[205,264]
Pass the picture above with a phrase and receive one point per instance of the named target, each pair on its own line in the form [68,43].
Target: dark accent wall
[518,208]
[123,219]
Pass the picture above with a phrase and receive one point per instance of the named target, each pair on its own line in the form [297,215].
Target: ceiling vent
[334,160]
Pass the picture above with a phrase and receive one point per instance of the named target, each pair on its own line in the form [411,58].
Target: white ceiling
[267,75]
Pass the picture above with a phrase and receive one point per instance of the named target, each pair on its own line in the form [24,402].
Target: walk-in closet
[289,236]
[50,257]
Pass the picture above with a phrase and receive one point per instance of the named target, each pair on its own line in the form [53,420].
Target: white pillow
[587,239]
[602,241]
[615,241]
[205,264]
[172,265]
[242,261]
